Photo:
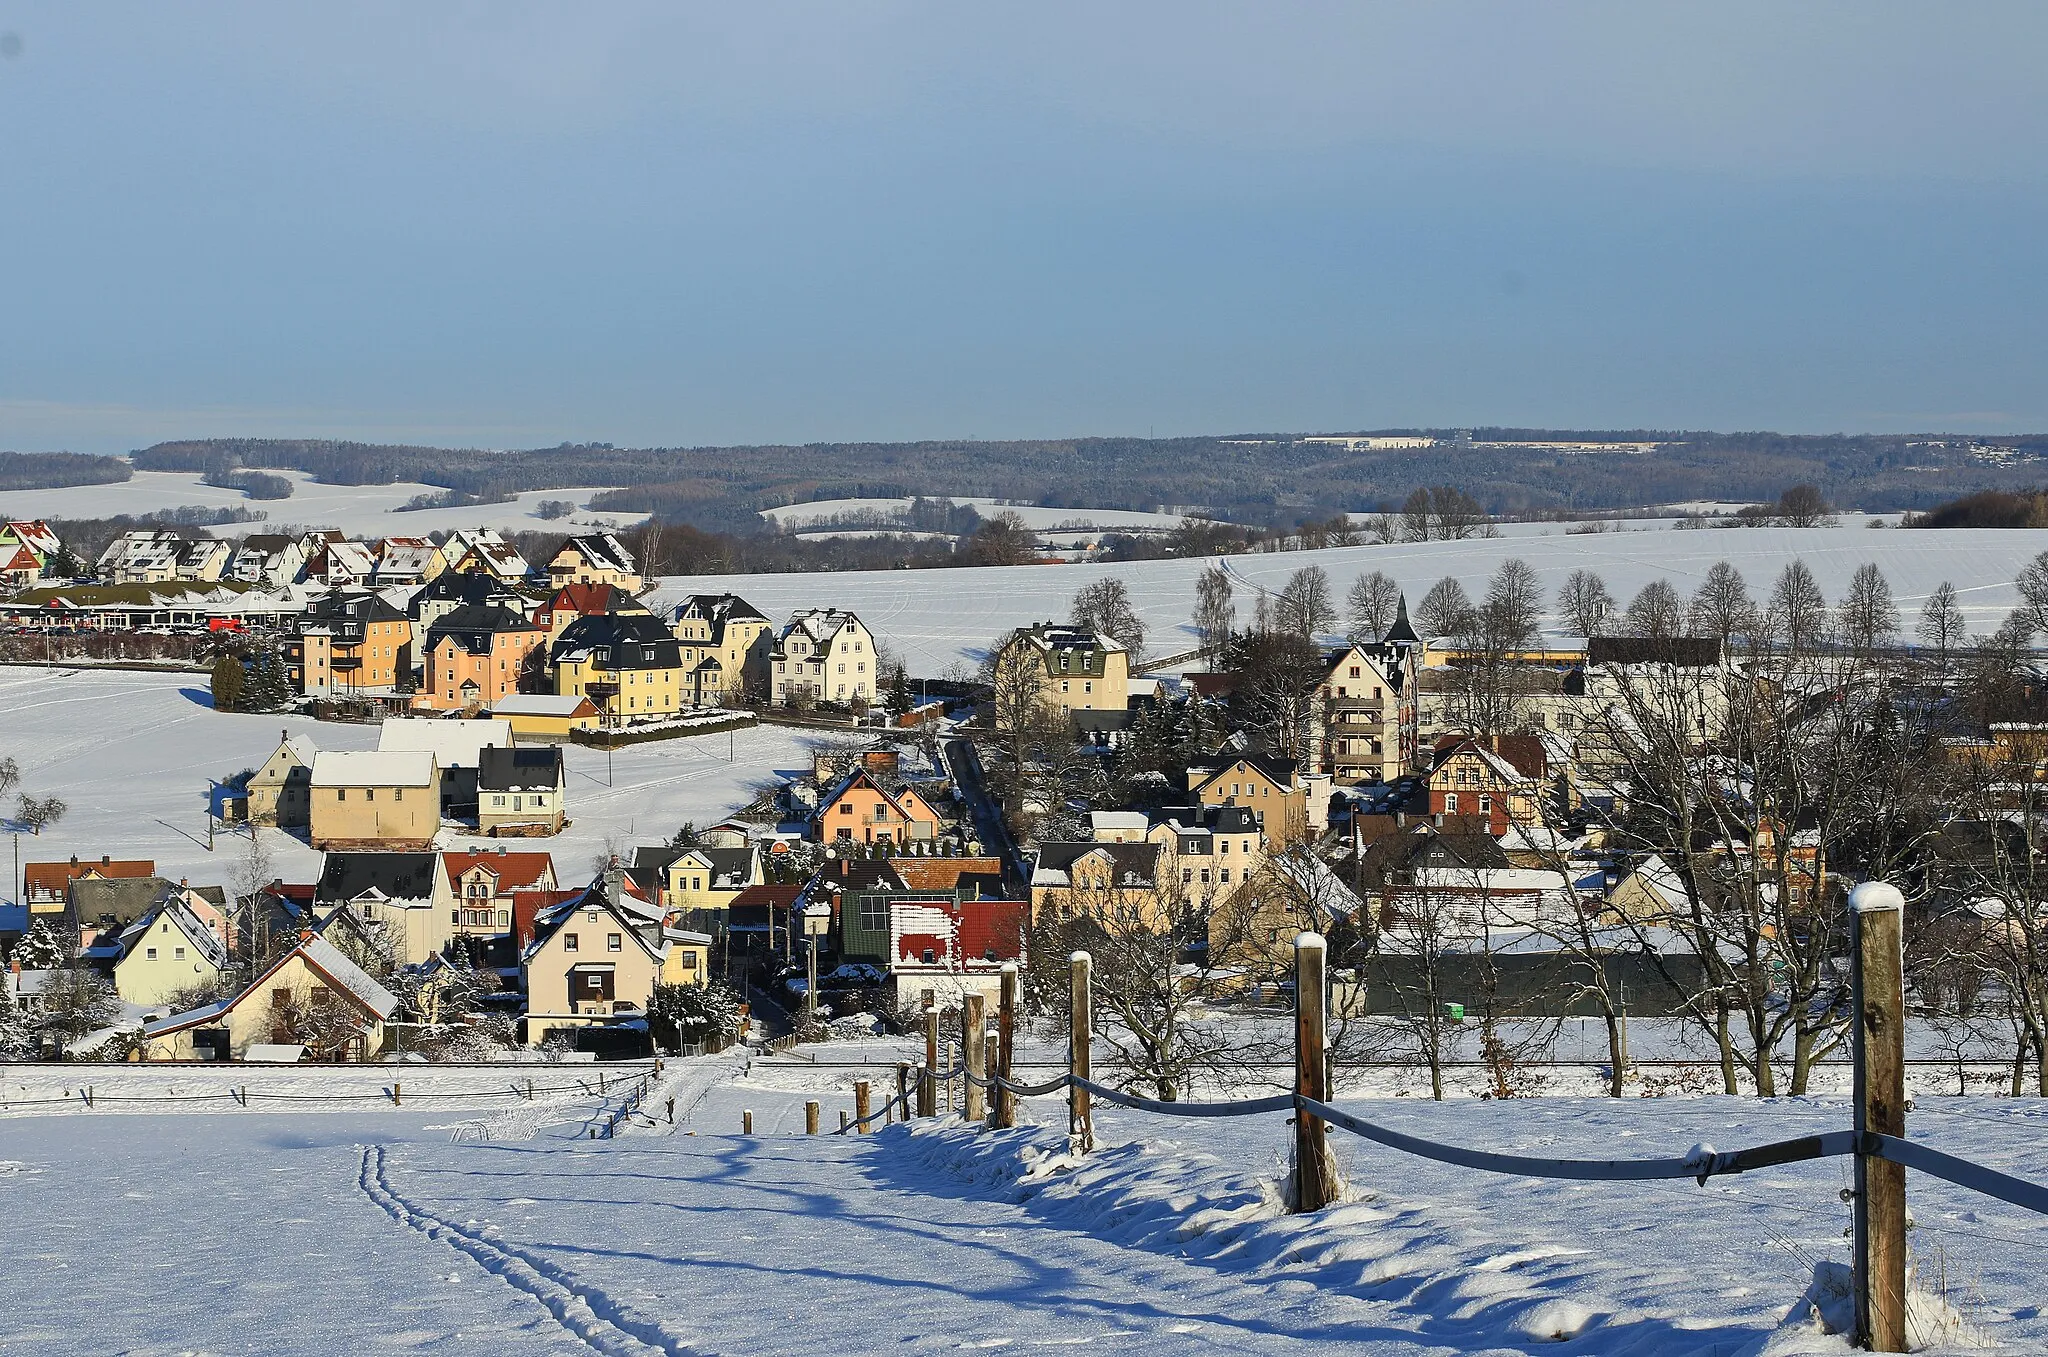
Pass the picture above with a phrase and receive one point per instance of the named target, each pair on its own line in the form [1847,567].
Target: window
[341,793]
[398,793]
[614,943]
[1187,876]
[1224,876]
[369,793]
[1450,803]
[149,954]
[596,982]
[177,953]
[568,942]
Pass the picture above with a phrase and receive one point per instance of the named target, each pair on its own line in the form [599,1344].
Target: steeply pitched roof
[536,768]
[515,871]
[395,876]
[626,640]
[601,549]
[945,874]
[1130,864]
[472,626]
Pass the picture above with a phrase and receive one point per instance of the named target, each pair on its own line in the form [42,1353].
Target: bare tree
[1804,506]
[1868,619]
[2033,587]
[1513,599]
[1373,598]
[1304,606]
[1941,625]
[1417,522]
[1104,607]
[1656,611]
[1215,610]
[1445,610]
[1722,607]
[1585,602]
[1003,539]
[1798,611]
[1455,514]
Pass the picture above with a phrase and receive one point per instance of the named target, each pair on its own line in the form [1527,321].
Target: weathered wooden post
[902,1092]
[1877,914]
[1080,1120]
[860,1106]
[397,1094]
[928,1087]
[1006,1045]
[811,1117]
[974,1048]
[992,1061]
[1315,1176]
[747,1121]
[844,1121]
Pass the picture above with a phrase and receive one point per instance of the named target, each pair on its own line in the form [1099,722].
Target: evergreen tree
[38,949]
[228,683]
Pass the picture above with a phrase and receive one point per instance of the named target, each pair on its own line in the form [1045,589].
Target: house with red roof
[954,947]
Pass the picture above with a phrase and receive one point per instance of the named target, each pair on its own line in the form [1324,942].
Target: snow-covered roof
[374,768]
[540,704]
[453,743]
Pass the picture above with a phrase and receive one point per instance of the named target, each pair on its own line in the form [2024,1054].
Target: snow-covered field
[364,511]
[131,755]
[937,618]
[400,1228]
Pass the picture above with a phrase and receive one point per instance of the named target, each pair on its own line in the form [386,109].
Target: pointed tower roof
[1402,632]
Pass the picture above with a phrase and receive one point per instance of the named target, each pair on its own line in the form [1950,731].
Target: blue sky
[514,224]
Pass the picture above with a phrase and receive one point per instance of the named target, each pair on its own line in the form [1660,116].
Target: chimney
[106,860]
[501,850]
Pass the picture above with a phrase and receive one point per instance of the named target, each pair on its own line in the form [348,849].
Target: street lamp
[817,919]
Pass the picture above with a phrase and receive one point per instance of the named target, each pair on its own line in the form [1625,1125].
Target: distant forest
[54,470]
[1272,481]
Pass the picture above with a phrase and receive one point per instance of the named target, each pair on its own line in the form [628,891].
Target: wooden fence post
[928,1087]
[902,1092]
[974,1050]
[860,1105]
[747,1122]
[992,1062]
[396,1094]
[844,1121]
[1876,912]
[1006,1045]
[1080,1119]
[811,1118]
[1315,1176]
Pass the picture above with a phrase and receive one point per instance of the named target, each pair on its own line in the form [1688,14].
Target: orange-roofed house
[487,881]
[860,810]
[46,886]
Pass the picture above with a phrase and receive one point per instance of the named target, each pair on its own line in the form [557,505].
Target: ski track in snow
[583,1309]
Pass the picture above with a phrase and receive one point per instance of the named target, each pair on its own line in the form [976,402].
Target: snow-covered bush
[692,1015]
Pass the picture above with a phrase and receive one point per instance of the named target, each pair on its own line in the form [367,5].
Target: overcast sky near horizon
[510,224]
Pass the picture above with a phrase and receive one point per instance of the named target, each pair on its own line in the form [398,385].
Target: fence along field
[1875,1142]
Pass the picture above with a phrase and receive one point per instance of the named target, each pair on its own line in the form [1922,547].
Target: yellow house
[689,881]
[595,558]
[403,899]
[375,800]
[166,952]
[1077,669]
[538,717]
[626,664]
[726,643]
[1072,879]
[312,996]
[593,959]
[280,792]
[1264,785]
[688,960]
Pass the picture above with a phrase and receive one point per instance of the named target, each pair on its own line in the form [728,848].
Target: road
[965,763]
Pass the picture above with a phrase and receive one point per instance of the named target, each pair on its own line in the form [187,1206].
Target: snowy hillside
[401,1228]
[131,754]
[936,618]
[364,511]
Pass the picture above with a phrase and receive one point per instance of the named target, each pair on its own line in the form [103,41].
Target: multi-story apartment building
[1077,669]
[726,643]
[823,655]
[474,656]
[627,664]
[350,645]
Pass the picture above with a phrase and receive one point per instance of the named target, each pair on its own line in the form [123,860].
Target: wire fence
[393,1094]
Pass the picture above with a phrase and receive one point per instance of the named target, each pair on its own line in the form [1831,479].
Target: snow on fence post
[1876,913]
[861,1106]
[1006,1042]
[928,1086]
[973,1050]
[1080,1120]
[1315,1176]
[811,1117]
[902,1091]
